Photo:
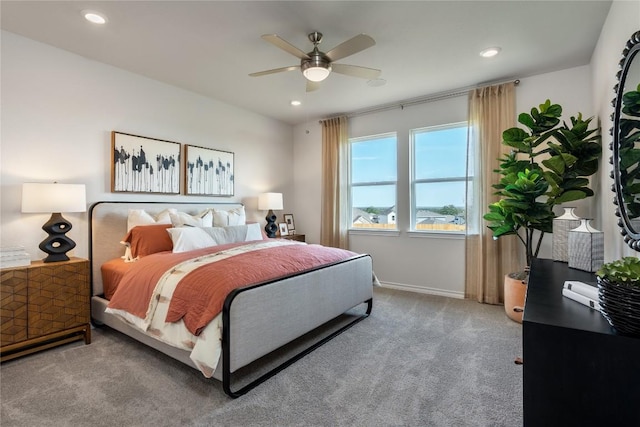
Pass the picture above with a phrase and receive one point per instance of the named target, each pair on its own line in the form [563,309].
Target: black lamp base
[271,228]
[57,244]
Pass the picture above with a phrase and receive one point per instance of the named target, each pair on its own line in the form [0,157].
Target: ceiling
[422,47]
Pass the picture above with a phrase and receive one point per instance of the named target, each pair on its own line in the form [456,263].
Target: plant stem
[529,243]
[539,243]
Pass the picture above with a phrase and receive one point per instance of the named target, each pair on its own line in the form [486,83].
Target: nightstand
[43,305]
[296,237]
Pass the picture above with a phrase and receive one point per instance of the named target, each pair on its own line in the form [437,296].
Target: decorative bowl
[620,305]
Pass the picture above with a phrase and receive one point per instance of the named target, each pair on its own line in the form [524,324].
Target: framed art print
[208,172]
[291,225]
[282,227]
[144,165]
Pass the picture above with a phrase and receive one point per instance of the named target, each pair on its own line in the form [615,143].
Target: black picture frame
[140,164]
[208,172]
[291,225]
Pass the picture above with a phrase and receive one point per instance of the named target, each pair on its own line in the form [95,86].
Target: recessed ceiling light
[295,103]
[490,52]
[94,17]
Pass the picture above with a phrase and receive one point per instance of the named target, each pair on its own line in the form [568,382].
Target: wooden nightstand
[296,237]
[43,305]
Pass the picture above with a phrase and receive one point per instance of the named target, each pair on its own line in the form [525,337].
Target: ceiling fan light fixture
[316,74]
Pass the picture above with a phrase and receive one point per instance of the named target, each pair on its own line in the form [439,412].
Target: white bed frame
[296,304]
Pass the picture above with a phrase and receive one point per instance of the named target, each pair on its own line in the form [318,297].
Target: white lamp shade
[316,74]
[52,197]
[267,201]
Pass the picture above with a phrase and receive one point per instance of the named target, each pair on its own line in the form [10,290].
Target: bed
[256,319]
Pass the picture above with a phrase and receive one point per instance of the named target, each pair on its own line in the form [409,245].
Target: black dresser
[577,370]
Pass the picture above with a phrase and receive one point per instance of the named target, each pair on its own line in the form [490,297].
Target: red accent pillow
[148,239]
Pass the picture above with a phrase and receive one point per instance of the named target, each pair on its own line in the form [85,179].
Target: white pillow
[190,238]
[235,233]
[222,218]
[141,217]
[203,219]
[254,232]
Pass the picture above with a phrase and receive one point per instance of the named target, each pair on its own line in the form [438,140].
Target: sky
[439,153]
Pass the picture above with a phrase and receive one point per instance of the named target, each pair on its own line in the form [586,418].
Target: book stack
[581,292]
[14,256]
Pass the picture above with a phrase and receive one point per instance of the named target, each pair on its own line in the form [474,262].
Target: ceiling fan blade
[275,70]
[356,71]
[351,46]
[311,86]
[285,45]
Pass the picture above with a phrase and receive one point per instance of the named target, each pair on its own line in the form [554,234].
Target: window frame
[413,181]
[351,185]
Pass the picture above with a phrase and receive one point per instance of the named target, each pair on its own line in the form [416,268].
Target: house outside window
[373,182]
[439,178]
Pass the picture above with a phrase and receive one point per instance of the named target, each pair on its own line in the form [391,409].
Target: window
[374,176]
[439,178]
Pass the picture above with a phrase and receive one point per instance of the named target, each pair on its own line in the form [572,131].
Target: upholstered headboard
[108,225]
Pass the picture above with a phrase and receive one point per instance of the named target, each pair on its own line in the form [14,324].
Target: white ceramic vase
[561,226]
[586,247]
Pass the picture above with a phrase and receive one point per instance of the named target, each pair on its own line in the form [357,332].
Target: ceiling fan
[317,65]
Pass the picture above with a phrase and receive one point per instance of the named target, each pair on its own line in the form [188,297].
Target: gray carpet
[418,360]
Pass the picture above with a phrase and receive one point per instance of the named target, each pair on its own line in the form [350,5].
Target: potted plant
[548,165]
[619,294]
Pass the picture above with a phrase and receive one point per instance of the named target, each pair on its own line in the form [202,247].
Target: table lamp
[270,201]
[54,198]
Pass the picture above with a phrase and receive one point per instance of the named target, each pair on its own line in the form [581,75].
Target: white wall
[434,263]
[622,21]
[57,112]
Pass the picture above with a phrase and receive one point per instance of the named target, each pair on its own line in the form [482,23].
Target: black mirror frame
[631,236]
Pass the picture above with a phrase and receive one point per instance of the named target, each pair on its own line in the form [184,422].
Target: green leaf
[526,120]
[570,196]
[493,216]
[576,182]
[515,137]
[555,163]
[535,114]
[515,204]
[554,110]
[503,231]
[553,178]
[545,106]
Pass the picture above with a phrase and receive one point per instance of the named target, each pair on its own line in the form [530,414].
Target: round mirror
[626,143]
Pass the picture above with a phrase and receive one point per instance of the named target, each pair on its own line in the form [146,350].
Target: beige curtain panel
[334,215]
[491,111]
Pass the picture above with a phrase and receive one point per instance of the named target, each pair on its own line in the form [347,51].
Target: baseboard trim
[423,290]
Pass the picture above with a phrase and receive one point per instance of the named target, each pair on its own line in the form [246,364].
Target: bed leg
[226,374]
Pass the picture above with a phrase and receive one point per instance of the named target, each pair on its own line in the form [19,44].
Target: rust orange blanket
[200,293]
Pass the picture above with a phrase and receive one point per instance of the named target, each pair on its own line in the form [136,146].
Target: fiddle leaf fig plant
[548,165]
[624,271]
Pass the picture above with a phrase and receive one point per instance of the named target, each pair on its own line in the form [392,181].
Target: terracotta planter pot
[514,294]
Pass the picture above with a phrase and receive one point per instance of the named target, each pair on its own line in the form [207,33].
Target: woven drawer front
[13,305]
[58,297]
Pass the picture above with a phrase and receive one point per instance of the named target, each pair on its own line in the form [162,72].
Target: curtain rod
[421,100]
